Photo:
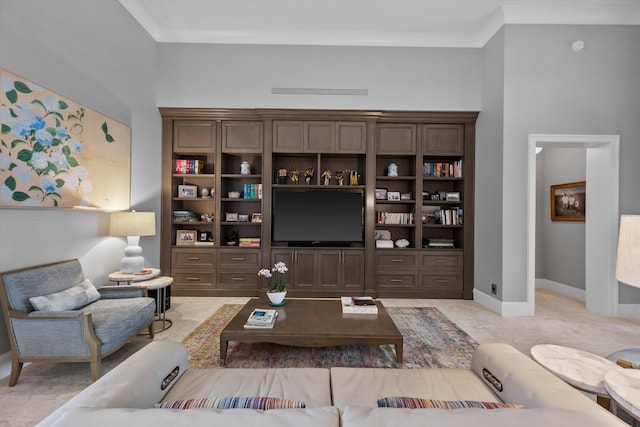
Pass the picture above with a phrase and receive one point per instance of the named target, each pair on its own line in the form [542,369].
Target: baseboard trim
[500,307]
[562,289]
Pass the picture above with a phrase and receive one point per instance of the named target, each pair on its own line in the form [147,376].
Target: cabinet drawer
[195,278]
[238,280]
[450,261]
[239,258]
[441,282]
[397,259]
[398,280]
[192,258]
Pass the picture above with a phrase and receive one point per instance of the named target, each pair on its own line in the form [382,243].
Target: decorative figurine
[282,176]
[327,176]
[340,177]
[206,217]
[294,174]
[354,177]
[245,168]
[308,174]
[392,170]
[205,193]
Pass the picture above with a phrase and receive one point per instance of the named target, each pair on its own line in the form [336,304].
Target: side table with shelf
[158,285]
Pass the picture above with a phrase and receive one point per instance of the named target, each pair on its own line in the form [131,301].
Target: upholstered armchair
[54,314]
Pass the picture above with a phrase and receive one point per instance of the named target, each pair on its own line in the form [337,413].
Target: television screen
[317,216]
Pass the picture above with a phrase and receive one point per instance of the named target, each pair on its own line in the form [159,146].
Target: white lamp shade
[628,263]
[133,224]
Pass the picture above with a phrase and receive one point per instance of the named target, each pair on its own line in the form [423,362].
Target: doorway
[601,224]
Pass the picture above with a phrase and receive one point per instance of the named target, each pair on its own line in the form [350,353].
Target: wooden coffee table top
[314,323]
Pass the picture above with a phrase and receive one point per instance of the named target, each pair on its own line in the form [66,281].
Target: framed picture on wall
[568,201]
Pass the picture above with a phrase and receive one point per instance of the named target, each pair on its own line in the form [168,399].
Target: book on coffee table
[358,305]
[261,318]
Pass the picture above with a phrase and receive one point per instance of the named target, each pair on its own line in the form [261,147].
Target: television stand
[319,245]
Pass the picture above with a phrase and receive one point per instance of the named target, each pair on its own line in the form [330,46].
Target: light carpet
[430,341]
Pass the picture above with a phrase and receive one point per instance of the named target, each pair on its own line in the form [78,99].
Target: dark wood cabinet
[427,213]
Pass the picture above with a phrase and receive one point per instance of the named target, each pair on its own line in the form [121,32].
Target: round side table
[580,369]
[151,281]
[623,385]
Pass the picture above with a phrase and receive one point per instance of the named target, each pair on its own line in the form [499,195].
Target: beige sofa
[336,397]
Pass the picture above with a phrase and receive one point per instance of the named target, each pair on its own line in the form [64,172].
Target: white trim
[562,289]
[502,308]
[601,226]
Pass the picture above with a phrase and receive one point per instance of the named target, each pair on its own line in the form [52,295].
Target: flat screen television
[316,217]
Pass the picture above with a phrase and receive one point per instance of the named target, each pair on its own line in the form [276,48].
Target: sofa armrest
[123,291]
[141,381]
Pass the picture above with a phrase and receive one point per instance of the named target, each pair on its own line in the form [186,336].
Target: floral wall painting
[55,152]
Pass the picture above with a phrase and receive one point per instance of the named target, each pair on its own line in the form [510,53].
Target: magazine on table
[261,318]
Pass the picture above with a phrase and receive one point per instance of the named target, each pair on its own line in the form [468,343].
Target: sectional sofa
[519,391]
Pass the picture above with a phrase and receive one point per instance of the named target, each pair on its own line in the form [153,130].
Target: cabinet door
[351,137]
[319,137]
[329,269]
[287,136]
[353,270]
[306,268]
[395,138]
[443,140]
[242,137]
[194,136]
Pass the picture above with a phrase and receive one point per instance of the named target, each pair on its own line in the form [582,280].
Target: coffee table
[314,323]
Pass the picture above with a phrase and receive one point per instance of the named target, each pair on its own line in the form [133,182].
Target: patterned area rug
[430,341]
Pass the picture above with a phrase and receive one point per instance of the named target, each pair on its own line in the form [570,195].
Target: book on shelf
[358,305]
[188,166]
[250,241]
[394,217]
[261,318]
[442,169]
[439,243]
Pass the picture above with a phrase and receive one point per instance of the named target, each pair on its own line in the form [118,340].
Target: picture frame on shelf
[204,236]
[187,191]
[393,195]
[243,217]
[256,217]
[186,237]
[381,193]
[452,196]
[231,217]
[568,201]
[405,196]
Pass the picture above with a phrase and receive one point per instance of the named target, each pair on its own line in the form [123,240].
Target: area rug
[430,341]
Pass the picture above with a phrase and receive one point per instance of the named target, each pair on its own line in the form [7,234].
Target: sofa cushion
[416,402]
[114,320]
[262,403]
[72,298]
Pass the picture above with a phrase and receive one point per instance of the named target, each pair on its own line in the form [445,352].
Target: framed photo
[405,196]
[393,195]
[453,196]
[187,191]
[381,194]
[231,217]
[204,236]
[568,201]
[186,237]
[256,217]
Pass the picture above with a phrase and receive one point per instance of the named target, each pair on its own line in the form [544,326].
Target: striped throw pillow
[417,403]
[233,403]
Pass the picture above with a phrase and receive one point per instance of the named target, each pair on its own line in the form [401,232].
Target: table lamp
[132,225]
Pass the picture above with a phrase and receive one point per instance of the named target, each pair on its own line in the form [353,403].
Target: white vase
[276,298]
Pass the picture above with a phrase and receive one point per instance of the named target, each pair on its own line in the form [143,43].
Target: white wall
[96,54]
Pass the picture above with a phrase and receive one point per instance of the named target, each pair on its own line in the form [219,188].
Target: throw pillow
[70,299]
[416,403]
[233,403]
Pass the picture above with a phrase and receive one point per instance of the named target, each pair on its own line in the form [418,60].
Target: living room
[524,79]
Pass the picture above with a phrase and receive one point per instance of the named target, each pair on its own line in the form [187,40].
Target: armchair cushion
[72,298]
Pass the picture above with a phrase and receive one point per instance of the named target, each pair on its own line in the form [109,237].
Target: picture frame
[381,193]
[405,196]
[568,201]
[393,195]
[231,217]
[256,217]
[186,237]
[204,236]
[187,191]
[452,196]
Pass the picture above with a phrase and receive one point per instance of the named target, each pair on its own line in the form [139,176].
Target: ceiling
[418,23]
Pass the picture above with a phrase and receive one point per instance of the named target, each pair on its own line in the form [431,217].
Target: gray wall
[560,245]
[551,89]
[96,54]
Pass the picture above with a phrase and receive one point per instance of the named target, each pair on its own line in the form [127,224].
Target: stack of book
[188,166]
[358,305]
[439,243]
[250,241]
[261,318]
[184,216]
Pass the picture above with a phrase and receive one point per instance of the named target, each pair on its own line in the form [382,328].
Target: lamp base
[133,260]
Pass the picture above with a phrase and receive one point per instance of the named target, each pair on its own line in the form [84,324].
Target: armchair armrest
[122,291]
[55,315]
